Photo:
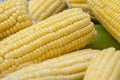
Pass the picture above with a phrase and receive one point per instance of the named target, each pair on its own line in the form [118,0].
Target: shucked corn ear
[14,16]
[41,9]
[106,66]
[107,12]
[71,66]
[57,35]
[78,4]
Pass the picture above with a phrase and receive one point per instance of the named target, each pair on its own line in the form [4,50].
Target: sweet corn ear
[59,34]
[71,66]
[107,12]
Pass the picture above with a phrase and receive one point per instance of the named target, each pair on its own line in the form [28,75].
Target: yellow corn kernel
[60,8]
[59,34]
[78,1]
[14,17]
[41,9]
[71,66]
[78,4]
[106,66]
[107,13]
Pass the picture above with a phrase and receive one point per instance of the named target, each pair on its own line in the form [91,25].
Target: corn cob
[71,66]
[57,35]
[107,13]
[106,66]
[13,17]
[41,9]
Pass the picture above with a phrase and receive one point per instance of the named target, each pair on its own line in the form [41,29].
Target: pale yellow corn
[59,34]
[107,12]
[106,66]
[71,66]
[14,17]
[41,9]
[78,1]
[78,4]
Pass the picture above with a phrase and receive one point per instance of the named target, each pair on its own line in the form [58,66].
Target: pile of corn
[47,40]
